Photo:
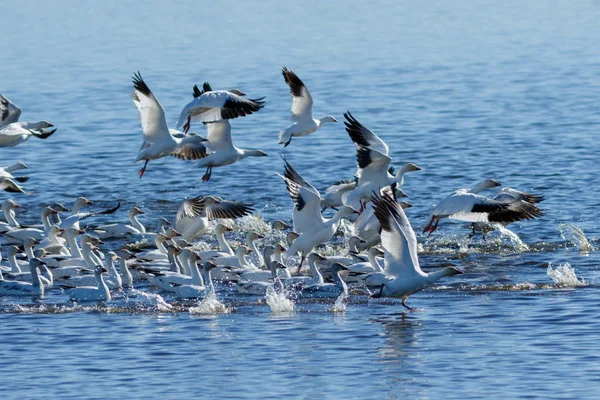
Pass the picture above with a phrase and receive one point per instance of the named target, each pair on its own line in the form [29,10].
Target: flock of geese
[63,251]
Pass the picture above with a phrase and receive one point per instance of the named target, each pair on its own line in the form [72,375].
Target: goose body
[100,292]
[121,230]
[18,132]
[9,112]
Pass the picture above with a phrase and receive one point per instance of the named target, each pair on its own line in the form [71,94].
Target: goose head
[451,271]
[221,229]
[10,204]
[408,167]
[252,236]
[208,265]
[376,252]
[405,204]
[13,251]
[59,207]
[336,268]
[314,257]
[327,118]
[99,270]
[113,256]
[290,237]
[133,211]
[125,254]
[242,250]
[354,242]
[280,248]
[280,225]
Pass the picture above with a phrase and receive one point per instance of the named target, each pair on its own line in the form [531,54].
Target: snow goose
[9,185]
[120,230]
[191,291]
[126,276]
[315,278]
[373,159]
[193,214]
[469,205]
[328,290]
[53,243]
[18,132]
[9,169]
[9,112]
[506,195]
[19,235]
[257,282]
[367,225]
[302,103]
[308,221]
[159,140]
[402,271]
[8,210]
[224,249]
[76,214]
[100,292]
[223,152]
[217,105]
[20,288]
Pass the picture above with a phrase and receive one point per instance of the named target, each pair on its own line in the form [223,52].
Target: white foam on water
[147,298]
[564,276]
[210,305]
[512,237]
[574,234]
[279,302]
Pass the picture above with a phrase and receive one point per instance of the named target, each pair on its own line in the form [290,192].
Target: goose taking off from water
[9,112]
[193,214]
[223,152]
[18,132]
[6,172]
[302,103]
[11,186]
[372,155]
[159,140]
[469,205]
[402,271]
[216,105]
[308,221]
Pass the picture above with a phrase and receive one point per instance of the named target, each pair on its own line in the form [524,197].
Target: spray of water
[147,298]
[279,302]
[512,237]
[574,234]
[210,305]
[340,304]
[564,276]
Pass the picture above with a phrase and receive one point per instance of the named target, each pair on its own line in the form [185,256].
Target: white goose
[308,221]
[19,235]
[76,214]
[224,250]
[469,205]
[7,171]
[188,291]
[20,288]
[223,152]
[159,140]
[9,112]
[402,271]
[373,159]
[328,290]
[302,103]
[8,210]
[18,132]
[217,105]
[121,230]
[367,225]
[100,292]
[193,214]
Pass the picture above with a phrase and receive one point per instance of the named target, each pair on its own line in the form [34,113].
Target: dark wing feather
[239,106]
[293,82]
[228,209]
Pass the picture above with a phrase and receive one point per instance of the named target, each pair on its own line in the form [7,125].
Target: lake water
[466,90]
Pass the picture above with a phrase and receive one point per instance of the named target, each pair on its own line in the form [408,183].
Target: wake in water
[574,234]
[564,276]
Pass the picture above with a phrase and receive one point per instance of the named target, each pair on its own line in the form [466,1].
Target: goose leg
[206,176]
[300,265]
[186,127]
[404,304]
[141,173]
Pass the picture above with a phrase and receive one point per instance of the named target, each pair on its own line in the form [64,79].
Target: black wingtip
[139,84]
[22,179]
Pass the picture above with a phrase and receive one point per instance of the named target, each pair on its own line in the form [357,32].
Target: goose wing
[9,112]
[398,238]
[361,136]
[307,201]
[218,105]
[219,135]
[301,99]
[212,207]
[507,195]
[372,164]
[152,114]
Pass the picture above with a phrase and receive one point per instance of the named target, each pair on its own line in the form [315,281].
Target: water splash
[574,234]
[147,298]
[340,304]
[512,237]
[278,302]
[564,276]
[210,305]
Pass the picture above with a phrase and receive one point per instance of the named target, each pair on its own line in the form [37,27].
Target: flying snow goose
[216,105]
[402,271]
[373,159]
[223,152]
[18,132]
[469,205]
[308,221]
[193,214]
[9,185]
[159,140]
[302,103]
[7,171]
[9,112]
